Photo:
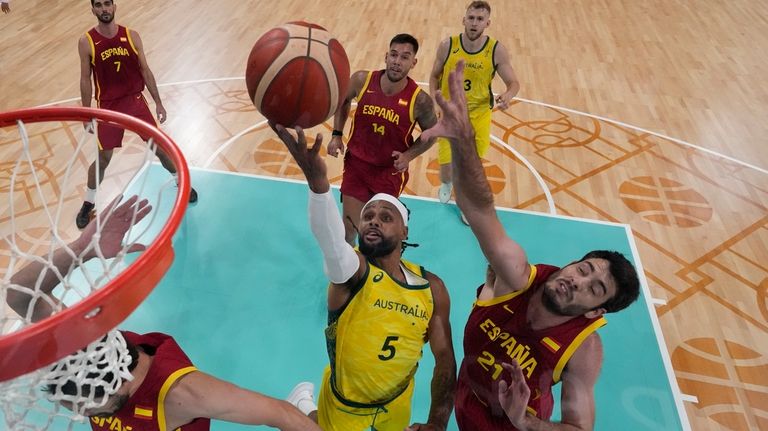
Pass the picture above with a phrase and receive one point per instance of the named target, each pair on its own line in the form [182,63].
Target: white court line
[629,126]
[690,398]
[229,141]
[639,129]
[658,301]
[550,200]
[665,358]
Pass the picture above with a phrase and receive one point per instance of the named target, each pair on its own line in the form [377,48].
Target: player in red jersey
[167,392]
[381,144]
[532,326]
[115,56]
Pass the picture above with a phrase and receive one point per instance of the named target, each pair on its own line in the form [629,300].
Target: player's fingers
[301,138]
[143,210]
[503,387]
[136,247]
[318,144]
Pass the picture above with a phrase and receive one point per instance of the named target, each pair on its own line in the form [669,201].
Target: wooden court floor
[692,71]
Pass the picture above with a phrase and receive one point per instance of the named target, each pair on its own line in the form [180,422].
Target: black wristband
[337,133]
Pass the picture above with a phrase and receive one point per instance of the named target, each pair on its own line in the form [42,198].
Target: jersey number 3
[388,348]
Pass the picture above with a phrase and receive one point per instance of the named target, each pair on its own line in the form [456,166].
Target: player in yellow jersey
[381,311]
[484,56]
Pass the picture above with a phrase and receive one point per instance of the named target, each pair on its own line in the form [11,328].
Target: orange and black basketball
[297,74]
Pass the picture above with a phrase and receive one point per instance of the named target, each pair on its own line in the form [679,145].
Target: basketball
[297,74]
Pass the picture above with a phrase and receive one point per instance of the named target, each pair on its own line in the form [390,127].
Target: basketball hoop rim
[44,342]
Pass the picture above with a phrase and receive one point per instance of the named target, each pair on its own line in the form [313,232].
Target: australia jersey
[145,409]
[479,70]
[497,331]
[382,123]
[115,65]
[375,341]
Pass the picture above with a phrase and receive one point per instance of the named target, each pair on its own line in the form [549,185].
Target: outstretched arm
[201,395]
[342,264]
[149,77]
[577,399]
[37,279]
[424,111]
[444,375]
[507,74]
[473,194]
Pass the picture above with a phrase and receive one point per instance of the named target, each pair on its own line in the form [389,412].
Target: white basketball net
[42,179]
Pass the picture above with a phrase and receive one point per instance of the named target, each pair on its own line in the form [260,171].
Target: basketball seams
[294,76]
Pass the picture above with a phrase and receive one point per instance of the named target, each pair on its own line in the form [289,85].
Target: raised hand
[113,227]
[308,159]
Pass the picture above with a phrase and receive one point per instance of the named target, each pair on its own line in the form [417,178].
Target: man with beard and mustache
[165,391]
[381,144]
[115,56]
[483,56]
[382,309]
[532,326]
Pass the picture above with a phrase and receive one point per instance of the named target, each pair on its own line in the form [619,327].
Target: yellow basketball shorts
[333,415]
[481,122]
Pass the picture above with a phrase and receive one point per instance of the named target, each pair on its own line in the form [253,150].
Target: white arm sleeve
[340,261]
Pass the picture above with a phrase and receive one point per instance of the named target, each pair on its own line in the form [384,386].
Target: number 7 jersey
[115,65]
[382,123]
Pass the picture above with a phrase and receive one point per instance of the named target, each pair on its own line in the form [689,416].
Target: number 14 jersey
[382,123]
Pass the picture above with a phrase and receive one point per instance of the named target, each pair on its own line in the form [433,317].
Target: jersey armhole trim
[561,363]
[365,85]
[130,40]
[175,376]
[93,48]
[508,296]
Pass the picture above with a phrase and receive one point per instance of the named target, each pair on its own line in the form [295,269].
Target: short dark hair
[625,276]
[405,38]
[70,387]
[479,4]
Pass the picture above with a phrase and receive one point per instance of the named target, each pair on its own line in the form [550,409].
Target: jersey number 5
[117,65]
[388,348]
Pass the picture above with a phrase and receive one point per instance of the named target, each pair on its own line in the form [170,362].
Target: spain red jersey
[145,410]
[382,123]
[497,331]
[115,65]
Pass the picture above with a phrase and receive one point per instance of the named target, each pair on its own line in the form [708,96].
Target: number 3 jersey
[479,70]
[115,65]
[375,340]
[497,331]
[382,124]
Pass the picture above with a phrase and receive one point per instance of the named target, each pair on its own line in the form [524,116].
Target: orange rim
[48,340]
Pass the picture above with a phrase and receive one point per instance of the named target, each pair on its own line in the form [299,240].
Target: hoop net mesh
[42,182]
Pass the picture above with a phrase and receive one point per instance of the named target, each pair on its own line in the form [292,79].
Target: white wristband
[340,261]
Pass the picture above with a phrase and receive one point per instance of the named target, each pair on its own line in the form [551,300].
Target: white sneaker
[444,193]
[302,397]
[463,219]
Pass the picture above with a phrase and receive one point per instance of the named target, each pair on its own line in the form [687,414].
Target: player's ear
[597,312]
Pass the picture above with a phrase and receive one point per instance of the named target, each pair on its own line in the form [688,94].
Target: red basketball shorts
[111,137]
[362,180]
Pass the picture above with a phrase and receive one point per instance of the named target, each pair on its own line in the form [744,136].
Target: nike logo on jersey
[369,91]
[96,43]
[456,50]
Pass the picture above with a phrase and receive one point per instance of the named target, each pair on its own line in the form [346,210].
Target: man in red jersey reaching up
[532,326]
[115,56]
[381,144]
